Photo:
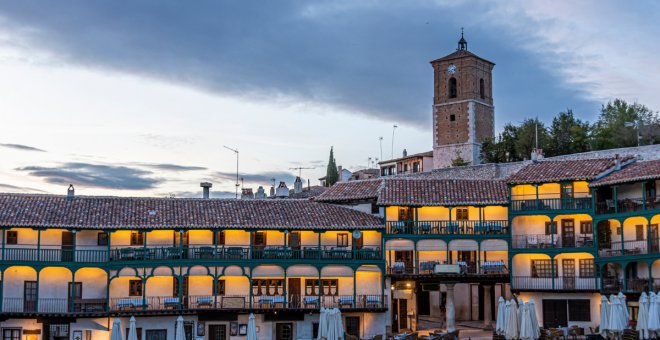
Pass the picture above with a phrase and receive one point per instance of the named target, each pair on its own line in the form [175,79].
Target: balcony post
[478,258]
[249,287]
[180,244]
[215,288]
[107,290]
[382,288]
[38,246]
[623,243]
[616,202]
[552,232]
[179,283]
[536,190]
[320,292]
[37,295]
[552,272]
[109,246]
[286,296]
[416,258]
[251,254]
[215,241]
[354,288]
[416,222]
[625,277]
[72,290]
[649,265]
[644,196]
[73,247]
[4,232]
[318,253]
[144,291]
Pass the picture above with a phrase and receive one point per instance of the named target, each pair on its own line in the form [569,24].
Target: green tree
[331,175]
[503,148]
[610,131]
[568,135]
[526,137]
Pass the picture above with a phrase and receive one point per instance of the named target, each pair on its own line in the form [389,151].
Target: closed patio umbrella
[339,323]
[323,324]
[178,331]
[616,323]
[520,304]
[624,304]
[252,328]
[132,330]
[332,328]
[535,320]
[116,333]
[604,315]
[643,317]
[654,315]
[512,322]
[500,322]
[526,329]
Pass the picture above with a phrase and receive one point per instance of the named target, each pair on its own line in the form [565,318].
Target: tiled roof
[417,155]
[460,54]
[445,192]
[351,190]
[638,171]
[545,171]
[310,192]
[20,210]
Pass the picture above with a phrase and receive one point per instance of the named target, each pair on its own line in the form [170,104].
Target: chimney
[537,154]
[71,192]
[282,190]
[405,153]
[206,189]
[246,194]
[339,170]
[272,191]
[298,185]
[261,193]
[617,162]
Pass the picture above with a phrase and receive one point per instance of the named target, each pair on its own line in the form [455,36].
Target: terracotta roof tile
[351,190]
[545,171]
[445,192]
[638,171]
[18,210]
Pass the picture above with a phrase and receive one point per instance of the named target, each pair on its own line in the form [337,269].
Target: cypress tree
[332,175]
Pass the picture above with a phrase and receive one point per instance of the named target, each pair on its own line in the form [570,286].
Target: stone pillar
[488,317]
[451,312]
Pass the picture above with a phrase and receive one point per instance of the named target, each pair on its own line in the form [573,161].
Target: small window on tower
[453,88]
[452,118]
[482,91]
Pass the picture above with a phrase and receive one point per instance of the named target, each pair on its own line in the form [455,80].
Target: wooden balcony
[428,268]
[577,204]
[54,306]
[560,283]
[446,227]
[627,205]
[543,241]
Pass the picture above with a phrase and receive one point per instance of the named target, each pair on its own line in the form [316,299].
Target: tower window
[482,91]
[452,118]
[453,88]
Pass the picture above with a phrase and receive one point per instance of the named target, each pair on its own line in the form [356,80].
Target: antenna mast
[236,152]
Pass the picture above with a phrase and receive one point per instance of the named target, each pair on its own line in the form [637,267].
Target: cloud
[94,175]
[21,147]
[171,167]
[263,178]
[18,189]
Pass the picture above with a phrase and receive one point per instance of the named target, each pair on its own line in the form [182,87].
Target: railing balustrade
[535,241]
[637,285]
[630,247]
[429,268]
[560,283]
[446,227]
[53,305]
[627,205]
[566,203]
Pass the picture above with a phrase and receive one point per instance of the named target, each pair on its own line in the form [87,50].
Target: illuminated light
[392,287]
[408,284]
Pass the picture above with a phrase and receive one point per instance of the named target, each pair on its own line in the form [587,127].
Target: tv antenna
[236,152]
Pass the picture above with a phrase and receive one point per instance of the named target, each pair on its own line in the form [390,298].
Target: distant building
[364,174]
[420,162]
[344,175]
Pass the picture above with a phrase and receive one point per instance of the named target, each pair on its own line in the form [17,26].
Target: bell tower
[463,111]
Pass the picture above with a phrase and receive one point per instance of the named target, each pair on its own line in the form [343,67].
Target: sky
[139,98]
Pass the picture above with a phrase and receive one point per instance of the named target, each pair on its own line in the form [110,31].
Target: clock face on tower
[451,69]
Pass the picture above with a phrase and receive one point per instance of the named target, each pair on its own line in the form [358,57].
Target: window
[453,88]
[220,238]
[175,286]
[579,310]
[328,287]
[548,228]
[374,208]
[586,227]
[12,237]
[587,268]
[267,287]
[452,118]
[220,287]
[342,240]
[259,238]
[102,239]
[156,334]
[137,238]
[353,326]
[482,91]
[416,167]
[543,268]
[11,334]
[567,190]
[462,214]
[406,214]
[135,288]
[138,331]
[77,290]
[639,232]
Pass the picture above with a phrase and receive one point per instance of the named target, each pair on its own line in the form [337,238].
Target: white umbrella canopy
[178,331]
[116,333]
[604,315]
[340,323]
[323,324]
[624,304]
[535,320]
[501,317]
[616,323]
[526,327]
[512,322]
[643,316]
[132,329]
[252,328]
[654,314]
[332,328]
[521,303]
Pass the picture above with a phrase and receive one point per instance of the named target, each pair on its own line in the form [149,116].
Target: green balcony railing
[551,204]
[446,227]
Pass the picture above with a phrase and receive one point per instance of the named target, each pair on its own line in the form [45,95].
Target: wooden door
[568,233]
[294,288]
[284,331]
[30,296]
[653,231]
[568,268]
[395,315]
[67,246]
[403,313]
[294,240]
[555,313]
[217,332]
[423,302]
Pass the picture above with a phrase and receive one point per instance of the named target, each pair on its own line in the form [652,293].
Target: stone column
[488,317]
[451,312]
